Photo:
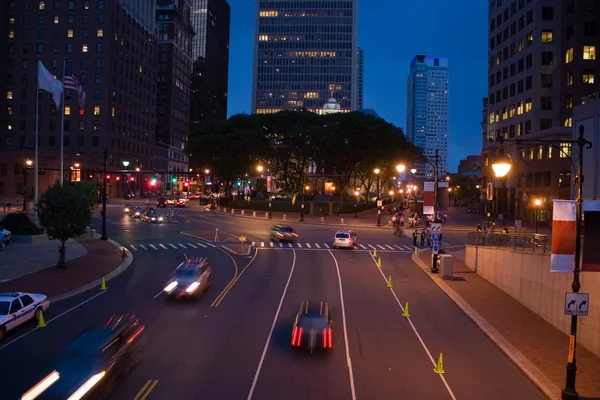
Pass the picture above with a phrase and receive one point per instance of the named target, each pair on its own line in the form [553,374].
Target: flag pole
[62,126]
[37,139]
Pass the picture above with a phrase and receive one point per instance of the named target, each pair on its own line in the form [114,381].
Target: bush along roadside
[20,224]
[319,208]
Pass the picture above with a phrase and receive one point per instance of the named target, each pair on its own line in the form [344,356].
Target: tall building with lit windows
[427,112]
[542,61]
[111,47]
[305,52]
[360,78]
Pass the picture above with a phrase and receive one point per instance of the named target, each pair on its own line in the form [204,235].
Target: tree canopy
[342,146]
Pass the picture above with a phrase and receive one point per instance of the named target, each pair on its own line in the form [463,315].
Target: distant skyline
[391,33]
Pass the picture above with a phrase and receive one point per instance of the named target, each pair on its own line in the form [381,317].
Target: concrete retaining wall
[527,278]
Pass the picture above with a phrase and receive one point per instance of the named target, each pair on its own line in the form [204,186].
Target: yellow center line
[226,291]
[145,390]
[150,389]
[231,282]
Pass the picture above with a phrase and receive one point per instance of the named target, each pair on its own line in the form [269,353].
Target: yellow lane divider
[146,389]
[236,278]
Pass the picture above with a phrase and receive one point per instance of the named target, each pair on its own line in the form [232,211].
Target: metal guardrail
[535,243]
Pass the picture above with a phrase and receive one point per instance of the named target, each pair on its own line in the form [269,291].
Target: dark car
[161,202]
[473,209]
[312,327]
[190,279]
[283,233]
[152,216]
[94,361]
[136,212]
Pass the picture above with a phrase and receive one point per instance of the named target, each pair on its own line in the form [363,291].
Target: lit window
[269,13]
[263,38]
[504,114]
[512,111]
[67,110]
[569,122]
[311,95]
[11,20]
[528,105]
[42,5]
[9,110]
[69,33]
[519,129]
[540,153]
[56,19]
[569,101]
[8,126]
[96,110]
[565,150]
[569,78]
[492,117]
[100,33]
[569,56]
[588,76]
[520,108]
[546,36]
[589,52]
[11,34]
[84,48]
[9,95]
[112,111]
[549,151]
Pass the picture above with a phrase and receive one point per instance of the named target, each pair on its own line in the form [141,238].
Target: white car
[344,239]
[18,308]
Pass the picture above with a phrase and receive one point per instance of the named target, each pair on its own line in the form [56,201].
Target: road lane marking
[362,246]
[290,245]
[224,293]
[381,247]
[192,246]
[253,244]
[154,247]
[264,353]
[271,244]
[407,248]
[146,389]
[143,247]
[158,294]
[262,244]
[371,247]
[211,245]
[182,245]
[317,245]
[412,325]
[300,245]
[133,247]
[280,244]
[308,245]
[326,245]
[163,246]
[398,247]
[201,245]
[348,360]
[389,247]
[52,319]
[172,245]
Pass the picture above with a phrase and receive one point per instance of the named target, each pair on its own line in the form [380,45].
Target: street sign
[577,304]
[436,228]
[242,238]
[436,247]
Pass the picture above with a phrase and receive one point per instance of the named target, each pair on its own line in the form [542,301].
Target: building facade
[210,56]
[360,79]
[470,166]
[427,112]
[303,52]
[541,62]
[173,76]
[111,48]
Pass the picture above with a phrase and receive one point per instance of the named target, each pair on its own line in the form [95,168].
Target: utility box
[447,261]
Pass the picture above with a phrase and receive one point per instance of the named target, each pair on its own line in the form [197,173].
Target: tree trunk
[61,251]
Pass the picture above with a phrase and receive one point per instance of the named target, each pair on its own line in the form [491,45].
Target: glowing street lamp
[260,168]
[400,168]
[413,170]
[537,203]
[501,165]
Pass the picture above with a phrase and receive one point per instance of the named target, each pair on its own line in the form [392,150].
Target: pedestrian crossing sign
[242,238]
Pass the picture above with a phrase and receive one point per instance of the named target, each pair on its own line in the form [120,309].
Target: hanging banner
[591,236]
[428,198]
[564,227]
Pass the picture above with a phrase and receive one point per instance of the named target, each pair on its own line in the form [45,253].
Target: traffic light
[132,179]
[152,183]
[118,178]
[186,184]
[238,183]
[108,177]
[174,180]
[249,181]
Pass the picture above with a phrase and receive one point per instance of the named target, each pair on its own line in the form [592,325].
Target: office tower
[111,48]
[305,52]
[542,60]
[427,112]
[360,75]
[210,56]
[174,71]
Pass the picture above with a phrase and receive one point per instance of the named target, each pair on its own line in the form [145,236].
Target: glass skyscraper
[305,52]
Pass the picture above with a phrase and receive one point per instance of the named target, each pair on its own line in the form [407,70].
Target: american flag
[73,85]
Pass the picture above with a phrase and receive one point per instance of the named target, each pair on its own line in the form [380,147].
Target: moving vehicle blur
[283,233]
[161,202]
[312,327]
[16,308]
[127,208]
[344,239]
[135,212]
[93,362]
[152,216]
[190,279]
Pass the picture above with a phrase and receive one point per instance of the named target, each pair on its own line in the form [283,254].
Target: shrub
[20,224]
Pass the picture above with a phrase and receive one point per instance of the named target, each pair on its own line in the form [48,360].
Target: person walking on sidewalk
[423,238]
[394,221]
[415,236]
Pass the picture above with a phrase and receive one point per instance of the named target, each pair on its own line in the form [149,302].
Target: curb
[94,284]
[235,252]
[533,373]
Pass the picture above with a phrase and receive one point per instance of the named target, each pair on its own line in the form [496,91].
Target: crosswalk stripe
[253,244]
[201,245]
[154,247]
[280,244]
[290,245]
[308,245]
[381,247]
[133,247]
[143,247]
[192,246]
[326,245]
[389,247]
[317,245]
[271,244]
[300,245]
[407,248]
[163,246]
[371,246]
[398,247]
[172,245]
[211,245]
[262,244]
[362,246]
[182,245]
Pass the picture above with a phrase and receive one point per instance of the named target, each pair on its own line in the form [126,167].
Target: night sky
[392,32]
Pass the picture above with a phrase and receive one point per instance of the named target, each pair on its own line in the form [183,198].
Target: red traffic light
[118,178]
[132,179]
[107,176]
[152,183]
[186,184]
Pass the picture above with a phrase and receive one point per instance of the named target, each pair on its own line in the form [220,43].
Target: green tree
[65,212]
[464,188]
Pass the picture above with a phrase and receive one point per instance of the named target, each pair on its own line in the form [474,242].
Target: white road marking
[201,245]
[192,246]
[172,245]
[133,247]
[398,247]
[158,294]
[308,245]
[362,246]
[371,247]
[326,245]
[389,247]
[182,245]
[381,247]
[211,245]
[253,244]
[262,244]
[271,244]
[317,245]
[143,247]
[154,247]
[163,246]
[348,360]
[299,245]
[407,247]
[290,245]
[433,362]
[264,353]
[280,244]
[52,319]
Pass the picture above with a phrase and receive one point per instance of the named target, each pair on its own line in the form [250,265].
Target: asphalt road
[233,343]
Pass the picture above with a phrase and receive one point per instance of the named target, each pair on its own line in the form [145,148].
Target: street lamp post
[501,167]
[28,164]
[357,194]
[103,237]
[377,171]
[304,187]
[537,203]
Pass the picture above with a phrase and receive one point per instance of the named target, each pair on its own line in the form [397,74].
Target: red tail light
[324,338]
[294,334]
[297,337]
[295,234]
[330,340]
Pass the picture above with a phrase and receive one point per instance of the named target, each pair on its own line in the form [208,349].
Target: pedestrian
[428,239]
[393,221]
[415,236]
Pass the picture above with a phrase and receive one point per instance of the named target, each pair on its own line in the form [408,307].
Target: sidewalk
[100,260]
[19,259]
[538,348]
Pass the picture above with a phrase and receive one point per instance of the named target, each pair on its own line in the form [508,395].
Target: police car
[17,308]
